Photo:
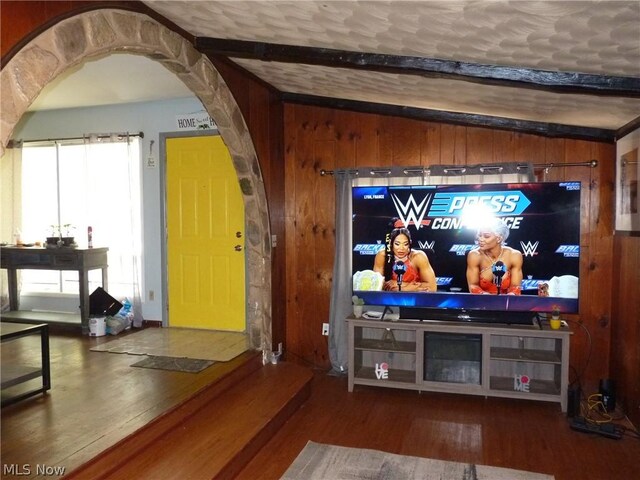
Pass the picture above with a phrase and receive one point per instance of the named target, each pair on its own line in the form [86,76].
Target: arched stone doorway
[100,32]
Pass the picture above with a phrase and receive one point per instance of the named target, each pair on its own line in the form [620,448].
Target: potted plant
[61,236]
[54,236]
[67,235]
[358,304]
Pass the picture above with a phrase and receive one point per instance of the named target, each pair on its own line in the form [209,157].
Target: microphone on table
[498,269]
[399,268]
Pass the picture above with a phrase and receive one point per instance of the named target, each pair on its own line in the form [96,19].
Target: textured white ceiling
[571,36]
[581,36]
[600,37]
[447,95]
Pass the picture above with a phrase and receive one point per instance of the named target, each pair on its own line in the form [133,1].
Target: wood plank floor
[98,399]
[212,435]
[525,435]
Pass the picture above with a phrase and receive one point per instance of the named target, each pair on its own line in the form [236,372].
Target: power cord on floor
[305,361]
[594,411]
[630,432]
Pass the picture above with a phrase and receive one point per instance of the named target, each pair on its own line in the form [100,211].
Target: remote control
[605,429]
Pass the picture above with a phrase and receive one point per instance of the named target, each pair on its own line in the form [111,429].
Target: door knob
[238,248]
[239,234]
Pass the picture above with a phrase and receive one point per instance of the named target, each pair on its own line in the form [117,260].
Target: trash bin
[97,326]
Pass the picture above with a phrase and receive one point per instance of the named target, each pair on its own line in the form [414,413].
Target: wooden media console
[494,360]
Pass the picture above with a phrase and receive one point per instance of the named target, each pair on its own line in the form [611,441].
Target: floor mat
[179,343]
[318,461]
[189,365]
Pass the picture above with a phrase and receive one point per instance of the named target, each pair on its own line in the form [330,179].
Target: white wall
[152,118]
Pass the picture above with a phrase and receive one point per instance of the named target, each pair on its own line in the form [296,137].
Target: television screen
[510,247]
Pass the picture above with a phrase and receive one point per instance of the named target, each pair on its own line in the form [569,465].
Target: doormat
[189,365]
[179,343]
[318,461]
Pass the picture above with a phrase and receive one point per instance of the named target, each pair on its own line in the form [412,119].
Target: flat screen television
[446,223]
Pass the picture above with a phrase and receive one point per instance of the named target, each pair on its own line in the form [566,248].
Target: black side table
[13,374]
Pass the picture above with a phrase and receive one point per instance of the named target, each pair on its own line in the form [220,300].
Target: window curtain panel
[125,248]
[340,307]
[341,288]
[10,208]
[341,301]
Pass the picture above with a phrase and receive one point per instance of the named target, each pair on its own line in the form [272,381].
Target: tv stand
[514,361]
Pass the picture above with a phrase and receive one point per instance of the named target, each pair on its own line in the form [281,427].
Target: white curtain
[92,183]
[10,208]
[116,222]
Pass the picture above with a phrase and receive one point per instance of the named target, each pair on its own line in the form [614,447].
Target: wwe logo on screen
[426,245]
[529,249]
[411,211]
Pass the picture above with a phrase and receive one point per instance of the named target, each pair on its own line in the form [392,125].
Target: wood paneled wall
[320,138]
[625,332]
[22,20]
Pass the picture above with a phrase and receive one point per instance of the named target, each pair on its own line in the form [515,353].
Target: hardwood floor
[525,435]
[97,399]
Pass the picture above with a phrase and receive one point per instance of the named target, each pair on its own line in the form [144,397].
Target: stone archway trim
[86,35]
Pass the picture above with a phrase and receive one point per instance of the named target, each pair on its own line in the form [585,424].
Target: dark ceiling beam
[553,130]
[558,82]
[631,126]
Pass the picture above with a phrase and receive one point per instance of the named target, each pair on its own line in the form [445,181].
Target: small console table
[13,375]
[515,361]
[79,259]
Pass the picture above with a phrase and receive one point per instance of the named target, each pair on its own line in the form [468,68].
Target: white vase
[357,311]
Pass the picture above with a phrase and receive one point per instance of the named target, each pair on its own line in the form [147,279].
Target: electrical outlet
[325,329]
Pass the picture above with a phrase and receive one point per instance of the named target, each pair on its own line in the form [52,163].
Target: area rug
[179,343]
[318,461]
[189,365]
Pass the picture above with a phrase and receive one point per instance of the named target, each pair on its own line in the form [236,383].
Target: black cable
[575,371]
[584,369]
[634,433]
[308,362]
[625,430]
[388,309]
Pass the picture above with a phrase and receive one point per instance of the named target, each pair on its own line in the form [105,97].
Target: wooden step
[213,434]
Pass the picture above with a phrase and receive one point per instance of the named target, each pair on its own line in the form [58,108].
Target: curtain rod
[102,135]
[386,171]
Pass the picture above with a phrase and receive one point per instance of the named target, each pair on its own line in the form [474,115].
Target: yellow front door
[205,236]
